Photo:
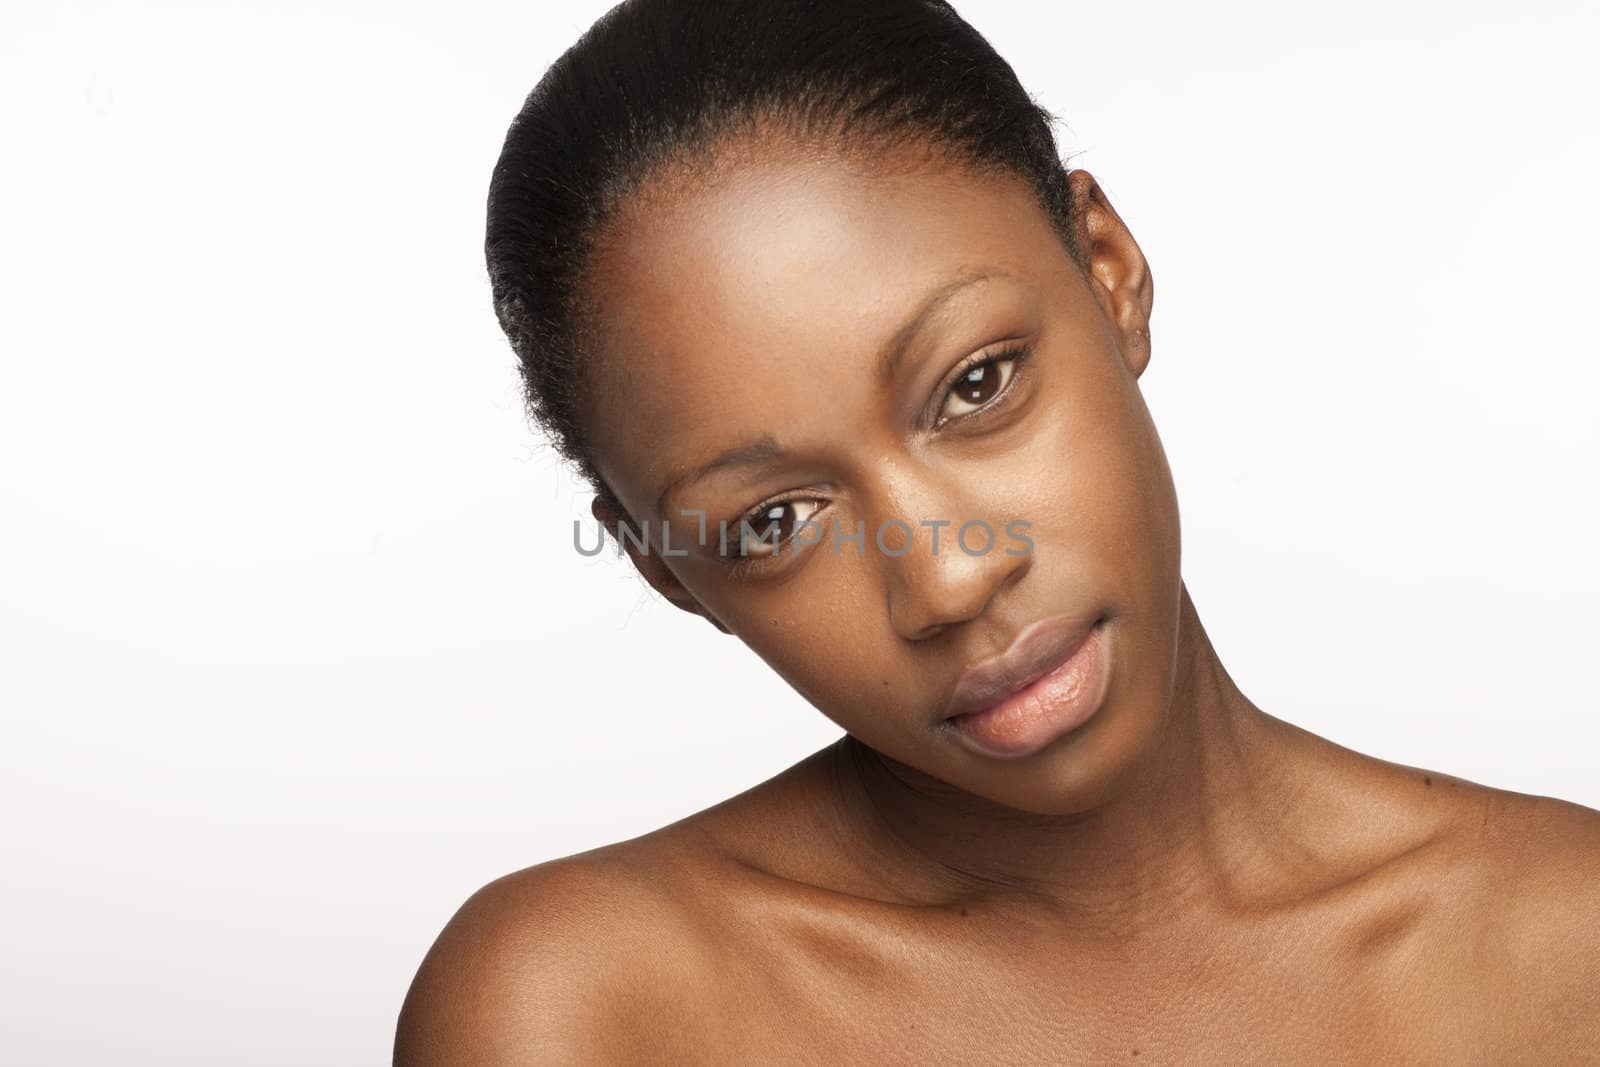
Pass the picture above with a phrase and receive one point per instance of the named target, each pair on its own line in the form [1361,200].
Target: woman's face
[753,328]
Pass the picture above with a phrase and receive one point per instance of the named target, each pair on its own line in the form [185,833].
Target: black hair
[659,84]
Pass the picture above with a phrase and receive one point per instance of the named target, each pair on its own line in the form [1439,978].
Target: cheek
[1089,474]
[826,631]
[841,656]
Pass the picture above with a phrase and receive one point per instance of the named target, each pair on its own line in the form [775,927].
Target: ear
[1118,272]
[649,563]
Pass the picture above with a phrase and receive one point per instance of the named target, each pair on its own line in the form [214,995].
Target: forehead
[727,305]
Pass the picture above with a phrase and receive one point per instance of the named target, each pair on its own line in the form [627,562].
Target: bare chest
[1294,998]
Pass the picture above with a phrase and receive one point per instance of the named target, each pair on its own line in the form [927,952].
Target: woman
[803,287]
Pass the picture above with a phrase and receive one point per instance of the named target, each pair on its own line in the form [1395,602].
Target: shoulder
[1502,892]
[586,959]
[1537,863]
[1548,851]
[1538,859]
[615,955]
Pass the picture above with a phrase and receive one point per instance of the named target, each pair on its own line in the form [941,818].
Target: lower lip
[1060,701]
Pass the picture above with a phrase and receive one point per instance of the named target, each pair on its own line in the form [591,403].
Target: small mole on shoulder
[1427,780]
[963,911]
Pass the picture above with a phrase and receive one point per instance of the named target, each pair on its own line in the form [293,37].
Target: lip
[1052,679]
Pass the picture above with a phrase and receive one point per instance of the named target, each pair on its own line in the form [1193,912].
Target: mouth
[1050,681]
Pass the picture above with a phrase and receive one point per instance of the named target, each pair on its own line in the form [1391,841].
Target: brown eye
[981,383]
[763,532]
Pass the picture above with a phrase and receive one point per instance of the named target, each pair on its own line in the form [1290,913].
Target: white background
[297,652]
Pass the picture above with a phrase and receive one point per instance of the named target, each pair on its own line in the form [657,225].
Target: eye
[978,383]
[762,533]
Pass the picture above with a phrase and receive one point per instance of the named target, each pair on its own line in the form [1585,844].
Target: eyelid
[736,562]
[1016,351]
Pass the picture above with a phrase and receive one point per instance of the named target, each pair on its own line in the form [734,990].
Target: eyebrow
[766,448]
[894,350]
[761,450]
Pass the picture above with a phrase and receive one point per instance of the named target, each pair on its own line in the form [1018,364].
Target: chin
[1077,772]
[1087,764]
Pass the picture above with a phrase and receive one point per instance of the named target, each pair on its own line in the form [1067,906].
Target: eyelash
[740,566]
[1017,352]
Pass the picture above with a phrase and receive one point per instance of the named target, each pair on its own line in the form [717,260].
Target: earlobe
[1117,270]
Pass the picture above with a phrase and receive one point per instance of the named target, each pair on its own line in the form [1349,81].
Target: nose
[948,574]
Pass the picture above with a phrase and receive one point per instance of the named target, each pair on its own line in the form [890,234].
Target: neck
[1200,813]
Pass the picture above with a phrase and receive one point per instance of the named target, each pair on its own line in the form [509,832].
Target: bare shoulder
[609,956]
[1537,861]
[1539,857]
[1505,890]
[585,959]
[1548,851]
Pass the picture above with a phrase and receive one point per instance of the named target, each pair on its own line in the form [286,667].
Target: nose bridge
[943,558]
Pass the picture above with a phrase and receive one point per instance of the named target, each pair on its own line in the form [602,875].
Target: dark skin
[1182,879]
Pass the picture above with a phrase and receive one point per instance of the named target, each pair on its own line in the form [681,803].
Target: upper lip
[1037,650]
